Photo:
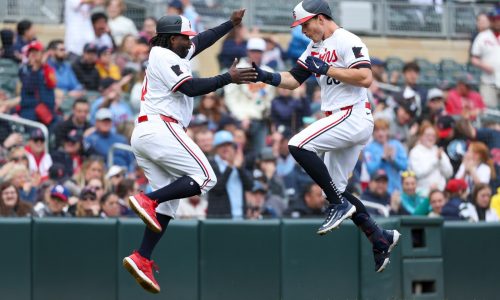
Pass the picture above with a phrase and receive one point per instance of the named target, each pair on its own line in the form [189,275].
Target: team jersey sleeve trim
[180,82]
[302,64]
[360,63]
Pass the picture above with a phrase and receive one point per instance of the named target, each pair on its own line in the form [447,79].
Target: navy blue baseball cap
[37,134]
[174,25]
[308,9]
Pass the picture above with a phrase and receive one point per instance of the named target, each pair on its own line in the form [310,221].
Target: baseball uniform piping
[326,128]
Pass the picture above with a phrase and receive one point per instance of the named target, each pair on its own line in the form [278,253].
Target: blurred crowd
[434,151]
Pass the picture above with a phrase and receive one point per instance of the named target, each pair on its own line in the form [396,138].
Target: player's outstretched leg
[145,204]
[383,241]
[339,209]
[139,263]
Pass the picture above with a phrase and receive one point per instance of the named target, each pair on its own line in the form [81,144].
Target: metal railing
[371,17]
[113,148]
[30,123]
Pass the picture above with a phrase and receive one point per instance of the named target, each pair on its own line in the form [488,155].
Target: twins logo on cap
[307,9]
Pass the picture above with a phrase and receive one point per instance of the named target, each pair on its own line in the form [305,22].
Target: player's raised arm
[207,38]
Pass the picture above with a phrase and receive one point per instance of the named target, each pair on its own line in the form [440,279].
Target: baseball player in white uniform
[341,64]
[174,165]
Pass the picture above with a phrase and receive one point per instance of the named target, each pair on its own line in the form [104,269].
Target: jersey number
[331,80]
[144,88]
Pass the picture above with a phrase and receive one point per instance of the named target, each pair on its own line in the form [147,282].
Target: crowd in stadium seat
[434,150]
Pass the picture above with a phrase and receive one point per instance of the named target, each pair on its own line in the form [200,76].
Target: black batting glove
[316,65]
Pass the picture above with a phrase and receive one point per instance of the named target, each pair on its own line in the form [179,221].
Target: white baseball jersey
[342,49]
[165,73]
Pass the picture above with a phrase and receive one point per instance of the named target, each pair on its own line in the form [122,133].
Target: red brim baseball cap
[444,133]
[307,9]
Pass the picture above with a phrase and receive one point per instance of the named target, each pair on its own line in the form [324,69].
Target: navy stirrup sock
[316,168]
[184,187]
[151,238]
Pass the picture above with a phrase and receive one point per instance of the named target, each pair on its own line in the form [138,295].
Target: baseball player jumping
[174,165]
[340,62]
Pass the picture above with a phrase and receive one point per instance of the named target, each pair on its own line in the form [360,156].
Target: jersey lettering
[331,80]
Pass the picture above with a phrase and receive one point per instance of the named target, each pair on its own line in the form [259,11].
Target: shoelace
[154,266]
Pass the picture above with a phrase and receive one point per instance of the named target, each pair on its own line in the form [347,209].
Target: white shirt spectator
[483,172]
[430,170]
[104,40]
[120,27]
[486,46]
[469,212]
[187,210]
[78,26]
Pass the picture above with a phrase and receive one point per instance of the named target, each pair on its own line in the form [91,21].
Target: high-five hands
[316,65]
[242,75]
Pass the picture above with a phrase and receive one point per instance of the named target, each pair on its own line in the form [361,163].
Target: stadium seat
[393,63]
[8,75]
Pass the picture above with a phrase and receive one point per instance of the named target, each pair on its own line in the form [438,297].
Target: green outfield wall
[59,259]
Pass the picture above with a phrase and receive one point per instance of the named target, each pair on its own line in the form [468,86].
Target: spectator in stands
[377,191]
[111,98]
[175,7]
[437,200]
[124,56]
[457,195]
[148,29]
[204,139]
[76,121]
[482,24]
[25,35]
[26,184]
[250,103]
[297,45]
[387,154]
[7,51]
[430,163]
[103,138]
[190,13]
[378,70]
[55,205]
[435,106]
[211,107]
[16,156]
[485,54]
[411,73]
[463,100]
[38,81]
[310,204]
[93,167]
[273,56]
[105,65]
[479,209]
[110,207]
[400,118]
[233,46]
[266,163]
[410,200]
[102,32]
[194,207]
[98,186]
[39,160]
[115,176]
[66,78]
[85,68]
[136,91]
[260,204]
[285,163]
[78,27]
[227,197]
[89,203]
[70,153]
[10,203]
[289,107]
[477,166]
[119,25]
[126,188]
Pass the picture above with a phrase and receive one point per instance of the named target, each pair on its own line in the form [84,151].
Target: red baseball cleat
[142,270]
[146,209]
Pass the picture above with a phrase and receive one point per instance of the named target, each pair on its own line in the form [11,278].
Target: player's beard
[181,51]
